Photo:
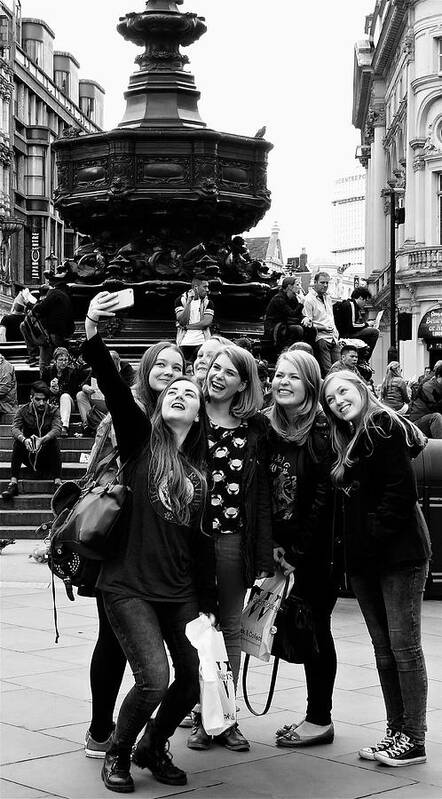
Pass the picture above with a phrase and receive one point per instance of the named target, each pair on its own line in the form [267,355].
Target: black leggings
[319,587]
[106,675]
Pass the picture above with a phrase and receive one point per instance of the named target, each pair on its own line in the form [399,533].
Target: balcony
[425,258]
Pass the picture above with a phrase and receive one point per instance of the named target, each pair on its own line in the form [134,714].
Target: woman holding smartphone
[164,573]
[388,550]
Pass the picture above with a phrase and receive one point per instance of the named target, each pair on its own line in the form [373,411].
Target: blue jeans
[142,628]
[391,604]
[231,594]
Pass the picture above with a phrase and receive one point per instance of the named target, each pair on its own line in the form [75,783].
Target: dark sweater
[56,313]
[281,309]
[159,559]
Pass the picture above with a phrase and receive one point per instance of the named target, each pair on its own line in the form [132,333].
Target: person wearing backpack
[350,318]
[302,519]
[164,572]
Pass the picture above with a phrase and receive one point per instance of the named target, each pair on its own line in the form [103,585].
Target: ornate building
[41,98]
[397,105]
[267,249]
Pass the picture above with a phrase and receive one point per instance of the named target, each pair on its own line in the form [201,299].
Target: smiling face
[168,364]
[287,386]
[344,399]
[223,379]
[204,356]
[180,404]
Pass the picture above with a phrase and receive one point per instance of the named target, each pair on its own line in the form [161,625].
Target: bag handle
[288,582]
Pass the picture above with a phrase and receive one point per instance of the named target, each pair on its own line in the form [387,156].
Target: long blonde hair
[345,435]
[298,430]
[393,370]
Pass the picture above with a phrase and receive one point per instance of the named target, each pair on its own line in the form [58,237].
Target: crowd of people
[237,472]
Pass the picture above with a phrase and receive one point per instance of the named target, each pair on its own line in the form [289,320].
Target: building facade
[397,105]
[348,224]
[41,98]
[267,249]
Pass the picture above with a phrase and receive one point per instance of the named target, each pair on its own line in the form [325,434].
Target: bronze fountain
[162,198]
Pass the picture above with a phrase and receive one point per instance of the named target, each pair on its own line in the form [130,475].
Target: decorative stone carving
[408,45]
[418,163]
[5,154]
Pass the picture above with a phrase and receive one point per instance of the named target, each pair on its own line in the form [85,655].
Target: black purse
[294,640]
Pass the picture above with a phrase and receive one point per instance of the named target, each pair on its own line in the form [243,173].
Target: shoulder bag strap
[287,588]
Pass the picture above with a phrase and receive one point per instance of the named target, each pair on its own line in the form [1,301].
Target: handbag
[217,690]
[258,617]
[294,639]
[33,330]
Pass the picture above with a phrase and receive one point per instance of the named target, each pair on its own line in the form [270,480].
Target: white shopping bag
[218,703]
[258,617]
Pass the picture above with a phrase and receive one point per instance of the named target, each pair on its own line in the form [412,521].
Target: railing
[426,258]
[55,92]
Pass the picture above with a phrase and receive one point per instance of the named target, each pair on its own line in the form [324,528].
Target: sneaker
[233,739]
[404,752]
[157,758]
[198,738]
[94,748]
[10,492]
[369,752]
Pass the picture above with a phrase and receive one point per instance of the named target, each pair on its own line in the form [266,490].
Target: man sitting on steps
[35,430]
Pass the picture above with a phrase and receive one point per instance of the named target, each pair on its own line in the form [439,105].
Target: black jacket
[349,318]
[281,309]
[428,400]
[56,313]
[27,422]
[70,379]
[303,512]
[384,527]
[257,544]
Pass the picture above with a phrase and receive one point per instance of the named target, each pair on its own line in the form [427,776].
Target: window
[62,80]
[87,106]
[35,171]
[34,49]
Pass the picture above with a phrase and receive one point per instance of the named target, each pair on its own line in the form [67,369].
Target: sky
[286,64]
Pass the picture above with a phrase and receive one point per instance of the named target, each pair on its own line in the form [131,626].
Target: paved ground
[45,712]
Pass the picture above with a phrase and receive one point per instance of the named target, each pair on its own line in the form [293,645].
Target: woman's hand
[100,306]
[284,565]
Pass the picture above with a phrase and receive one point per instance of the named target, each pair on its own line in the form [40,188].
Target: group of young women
[223,494]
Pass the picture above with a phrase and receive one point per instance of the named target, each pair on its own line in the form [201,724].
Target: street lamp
[397,217]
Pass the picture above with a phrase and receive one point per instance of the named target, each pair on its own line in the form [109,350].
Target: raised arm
[132,426]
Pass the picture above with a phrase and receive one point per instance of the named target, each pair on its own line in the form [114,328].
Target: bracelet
[91,320]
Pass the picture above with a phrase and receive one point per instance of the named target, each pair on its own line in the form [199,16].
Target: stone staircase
[21,517]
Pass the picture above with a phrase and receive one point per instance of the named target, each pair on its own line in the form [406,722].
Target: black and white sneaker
[404,752]
[369,752]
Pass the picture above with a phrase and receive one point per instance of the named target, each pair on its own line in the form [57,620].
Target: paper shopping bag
[258,617]
[218,703]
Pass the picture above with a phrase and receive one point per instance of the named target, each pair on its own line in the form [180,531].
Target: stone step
[68,455]
[30,487]
[70,443]
[20,532]
[25,502]
[32,517]
[70,471]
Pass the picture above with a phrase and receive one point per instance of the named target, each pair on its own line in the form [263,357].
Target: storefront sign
[430,326]
[35,255]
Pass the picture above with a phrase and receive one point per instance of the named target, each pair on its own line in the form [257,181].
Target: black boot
[116,770]
[152,752]
[10,492]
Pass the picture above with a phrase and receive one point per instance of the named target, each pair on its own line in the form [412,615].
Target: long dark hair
[169,466]
[143,391]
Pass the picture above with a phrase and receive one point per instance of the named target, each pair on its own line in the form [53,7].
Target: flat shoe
[286,728]
[292,739]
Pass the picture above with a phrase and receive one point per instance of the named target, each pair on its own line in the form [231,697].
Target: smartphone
[123,299]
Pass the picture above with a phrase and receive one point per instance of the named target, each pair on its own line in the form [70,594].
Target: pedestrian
[163,574]
[350,318]
[205,354]
[55,312]
[160,364]
[239,504]
[394,391]
[35,430]
[425,410]
[388,550]
[63,380]
[318,311]
[302,517]
[348,360]
[284,318]
[194,314]
[8,389]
